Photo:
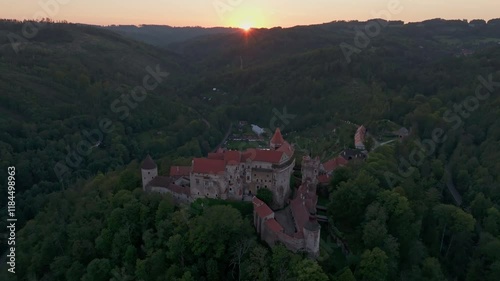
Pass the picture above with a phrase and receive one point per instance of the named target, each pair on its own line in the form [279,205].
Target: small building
[359,138]
[258,130]
[327,169]
[402,133]
[353,154]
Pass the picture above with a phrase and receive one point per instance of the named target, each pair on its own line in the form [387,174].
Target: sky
[244,13]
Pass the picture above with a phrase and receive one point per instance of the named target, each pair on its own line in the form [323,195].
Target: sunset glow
[246,27]
[239,13]
[247,17]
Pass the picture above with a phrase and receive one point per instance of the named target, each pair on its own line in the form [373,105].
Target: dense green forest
[395,211]
[164,35]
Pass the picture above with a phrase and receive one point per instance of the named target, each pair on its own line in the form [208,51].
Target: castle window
[197,181]
[248,178]
[265,186]
[149,173]
[230,189]
[254,175]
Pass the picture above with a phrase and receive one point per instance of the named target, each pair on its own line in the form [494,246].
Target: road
[451,186]
[228,133]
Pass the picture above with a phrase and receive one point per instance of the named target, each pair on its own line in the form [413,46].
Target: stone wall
[312,242]
[178,197]
[291,243]
[208,185]
[281,190]
[147,176]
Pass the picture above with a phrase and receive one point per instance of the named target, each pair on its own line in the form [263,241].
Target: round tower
[312,232]
[149,171]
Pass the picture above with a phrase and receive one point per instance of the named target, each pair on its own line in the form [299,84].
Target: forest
[395,211]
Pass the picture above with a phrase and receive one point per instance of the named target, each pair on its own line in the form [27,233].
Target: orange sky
[256,13]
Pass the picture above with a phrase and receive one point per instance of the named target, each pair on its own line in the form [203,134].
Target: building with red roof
[277,140]
[208,166]
[333,164]
[300,231]
[237,175]
[167,185]
[230,174]
[359,138]
[180,171]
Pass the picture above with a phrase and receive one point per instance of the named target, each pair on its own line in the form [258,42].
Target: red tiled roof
[277,138]
[333,164]
[216,155]
[286,148]
[304,202]
[274,226]
[167,182]
[323,179]
[232,157]
[148,163]
[359,138]
[261,208]
[270,156]
[208,166]
[300,213]
[179,189]
[179,171]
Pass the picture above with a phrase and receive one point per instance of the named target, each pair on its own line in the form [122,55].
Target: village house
[359,138]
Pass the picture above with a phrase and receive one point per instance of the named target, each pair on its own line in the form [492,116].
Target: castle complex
[237,175]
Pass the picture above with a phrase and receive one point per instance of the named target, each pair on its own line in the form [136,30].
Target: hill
[164,35]
[397,211]
[90,101]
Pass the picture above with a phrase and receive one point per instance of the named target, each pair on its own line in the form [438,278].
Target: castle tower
[312,231]
[310,169]
[277,140]
[149,171]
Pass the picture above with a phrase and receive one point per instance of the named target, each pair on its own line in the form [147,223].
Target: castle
[295,226]
[237,175]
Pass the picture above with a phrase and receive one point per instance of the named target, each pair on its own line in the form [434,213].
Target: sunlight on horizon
[246,18]
[243,13]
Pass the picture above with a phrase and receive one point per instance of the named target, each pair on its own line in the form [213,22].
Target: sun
[246,26]
[246,18]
